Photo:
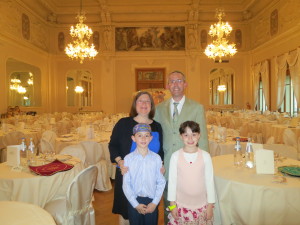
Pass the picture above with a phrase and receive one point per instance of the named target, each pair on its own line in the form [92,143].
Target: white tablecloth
[278,130]
[28,187]
[34,134]
[20,213]
[245,197]
[102,138]
[225,148]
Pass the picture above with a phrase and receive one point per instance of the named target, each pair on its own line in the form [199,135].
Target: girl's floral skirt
[190,217]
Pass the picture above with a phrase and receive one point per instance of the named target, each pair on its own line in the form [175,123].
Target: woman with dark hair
[121,144]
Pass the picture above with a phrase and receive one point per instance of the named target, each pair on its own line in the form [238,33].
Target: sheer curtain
[229,89]
[255,75]
[264,71]
[280,75]
[293,60]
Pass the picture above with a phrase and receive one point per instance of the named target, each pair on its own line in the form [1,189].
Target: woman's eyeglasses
[142,102]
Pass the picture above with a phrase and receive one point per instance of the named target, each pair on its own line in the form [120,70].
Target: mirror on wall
[221,86]
[24,84]
[79,88]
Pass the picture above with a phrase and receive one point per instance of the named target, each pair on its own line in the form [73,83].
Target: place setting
[44,164]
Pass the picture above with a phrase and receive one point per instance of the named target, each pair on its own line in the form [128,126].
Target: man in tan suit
[174,111]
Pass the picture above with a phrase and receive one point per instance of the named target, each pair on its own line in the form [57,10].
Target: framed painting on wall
[150,38]
[147,78]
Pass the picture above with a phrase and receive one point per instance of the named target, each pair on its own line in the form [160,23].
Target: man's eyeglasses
[178,81]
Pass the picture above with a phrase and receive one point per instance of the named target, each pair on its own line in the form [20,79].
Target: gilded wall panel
[10,18]
[289,15]
[19,24]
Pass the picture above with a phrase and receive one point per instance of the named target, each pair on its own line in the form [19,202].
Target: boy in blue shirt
[143,184]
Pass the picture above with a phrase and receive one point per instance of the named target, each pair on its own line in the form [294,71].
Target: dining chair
[259,138]
[47,142]
[294,121]
[76,151]
[289,138]
[283,120]
[76,207]
[111,167]
[231,123]
[270,140]
[12,138]
[95,156]
[244,131]
[63,126]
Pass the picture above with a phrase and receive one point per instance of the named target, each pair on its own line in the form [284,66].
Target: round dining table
[26,186]
[244,197]
[35,134]
[73,139]
[20,213]
[99,137]
[224,148]
[278,131]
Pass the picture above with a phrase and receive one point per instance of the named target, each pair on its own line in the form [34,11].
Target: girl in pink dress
[191,189]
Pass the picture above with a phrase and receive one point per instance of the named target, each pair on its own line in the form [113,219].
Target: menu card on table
[13,155]
[264,161]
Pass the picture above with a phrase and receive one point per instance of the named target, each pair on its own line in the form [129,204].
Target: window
[221,86]
[261,104]
[289,103]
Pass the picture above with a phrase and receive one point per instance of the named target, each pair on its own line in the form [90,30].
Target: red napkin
[242,139]
[51,168]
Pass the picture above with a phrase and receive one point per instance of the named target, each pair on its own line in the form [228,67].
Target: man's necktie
[175,113]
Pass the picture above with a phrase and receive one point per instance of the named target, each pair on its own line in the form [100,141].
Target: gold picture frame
[150,78]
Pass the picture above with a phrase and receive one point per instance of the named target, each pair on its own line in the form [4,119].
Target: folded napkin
[66,135]
[73,161]
[62,158]
[51,168]
[68,139]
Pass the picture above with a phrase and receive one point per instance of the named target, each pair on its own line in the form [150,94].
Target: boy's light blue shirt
[143,178]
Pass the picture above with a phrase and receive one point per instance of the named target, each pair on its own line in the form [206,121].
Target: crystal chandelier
[21,90]
[80,48]
[220,31]
[15,84]
[30,80]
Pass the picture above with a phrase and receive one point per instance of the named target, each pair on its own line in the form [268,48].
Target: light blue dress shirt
[143,178]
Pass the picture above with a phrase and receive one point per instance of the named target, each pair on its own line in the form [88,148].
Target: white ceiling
[127,11]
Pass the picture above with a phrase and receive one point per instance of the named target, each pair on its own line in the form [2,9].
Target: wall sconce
[221,88]
[79,89]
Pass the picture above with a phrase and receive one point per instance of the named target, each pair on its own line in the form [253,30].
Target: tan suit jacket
[191,110]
